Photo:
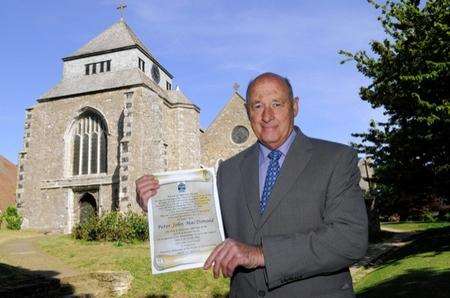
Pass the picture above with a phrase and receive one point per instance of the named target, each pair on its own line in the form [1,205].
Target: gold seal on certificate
[184,220]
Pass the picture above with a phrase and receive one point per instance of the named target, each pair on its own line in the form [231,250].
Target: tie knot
[275,154]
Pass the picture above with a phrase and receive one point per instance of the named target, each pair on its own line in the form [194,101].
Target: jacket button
[261,293]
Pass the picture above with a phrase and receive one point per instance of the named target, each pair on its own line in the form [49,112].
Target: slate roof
[99,82]
[177,96]
[117,36]
[113,80]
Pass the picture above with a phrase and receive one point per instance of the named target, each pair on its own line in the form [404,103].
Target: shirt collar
[264,151]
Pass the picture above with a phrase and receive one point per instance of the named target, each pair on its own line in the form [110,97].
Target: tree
[409,73]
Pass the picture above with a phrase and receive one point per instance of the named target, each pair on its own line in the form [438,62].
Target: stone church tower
[111,118]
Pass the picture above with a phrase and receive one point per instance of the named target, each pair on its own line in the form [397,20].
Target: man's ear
[295,105]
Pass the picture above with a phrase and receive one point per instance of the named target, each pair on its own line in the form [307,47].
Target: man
[292,208]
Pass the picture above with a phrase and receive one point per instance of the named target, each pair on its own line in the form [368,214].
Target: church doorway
[87,207]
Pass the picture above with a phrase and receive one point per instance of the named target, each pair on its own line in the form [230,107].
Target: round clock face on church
[240,134]
[155,73]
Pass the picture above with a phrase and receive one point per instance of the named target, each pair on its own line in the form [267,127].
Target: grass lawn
[100,256]
[421,269]
[414,225]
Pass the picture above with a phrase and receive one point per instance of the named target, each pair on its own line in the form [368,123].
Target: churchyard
[419,268]
[406,71]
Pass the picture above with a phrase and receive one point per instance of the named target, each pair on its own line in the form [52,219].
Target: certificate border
[150,221]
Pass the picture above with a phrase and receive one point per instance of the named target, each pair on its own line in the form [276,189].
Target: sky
[208,46]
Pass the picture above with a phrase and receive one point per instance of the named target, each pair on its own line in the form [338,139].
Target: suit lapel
[250,178]
[295,162]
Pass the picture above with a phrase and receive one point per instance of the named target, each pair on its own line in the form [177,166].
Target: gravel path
[377,251]
[40,271]
[25,253]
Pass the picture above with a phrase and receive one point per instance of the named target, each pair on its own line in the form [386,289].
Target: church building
[113,117]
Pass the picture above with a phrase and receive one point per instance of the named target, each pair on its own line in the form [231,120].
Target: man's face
[271,111]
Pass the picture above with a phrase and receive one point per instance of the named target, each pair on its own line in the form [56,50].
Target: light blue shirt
[264,160]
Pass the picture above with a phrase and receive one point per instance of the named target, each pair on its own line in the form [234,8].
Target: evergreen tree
[409,74]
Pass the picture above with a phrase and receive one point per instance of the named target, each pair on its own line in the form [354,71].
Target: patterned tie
[272,173]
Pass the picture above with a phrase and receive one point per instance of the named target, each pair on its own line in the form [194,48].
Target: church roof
[104,81]
[118,36]
[177,96]
[111,81]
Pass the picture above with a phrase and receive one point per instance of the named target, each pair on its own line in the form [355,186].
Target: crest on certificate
[181,187]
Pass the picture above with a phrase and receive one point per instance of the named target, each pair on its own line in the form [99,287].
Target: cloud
[234,65]
[209,28]
[234,41]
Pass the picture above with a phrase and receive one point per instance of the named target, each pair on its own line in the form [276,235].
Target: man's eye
[276,104]
[256,107]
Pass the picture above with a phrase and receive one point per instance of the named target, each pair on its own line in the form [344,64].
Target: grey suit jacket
[314,227]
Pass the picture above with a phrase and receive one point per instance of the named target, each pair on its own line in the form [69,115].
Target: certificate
[185,222]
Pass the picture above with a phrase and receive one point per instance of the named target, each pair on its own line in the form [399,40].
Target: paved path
[24,253]
[376,252]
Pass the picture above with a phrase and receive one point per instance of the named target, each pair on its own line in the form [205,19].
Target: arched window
[89,145]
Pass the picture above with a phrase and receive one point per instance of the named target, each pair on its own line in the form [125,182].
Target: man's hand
[146,187]
[230,254]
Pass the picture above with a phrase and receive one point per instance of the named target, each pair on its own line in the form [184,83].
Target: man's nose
[267,114]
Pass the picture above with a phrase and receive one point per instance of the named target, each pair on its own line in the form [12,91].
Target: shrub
[138,226]
[113,226]
[87,230]
[446,217]
[12,218]
[428,216]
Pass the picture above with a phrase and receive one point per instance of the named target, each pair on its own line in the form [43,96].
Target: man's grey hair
[269,74]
